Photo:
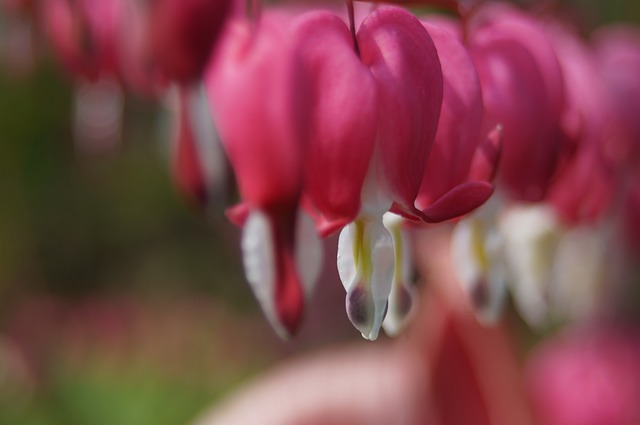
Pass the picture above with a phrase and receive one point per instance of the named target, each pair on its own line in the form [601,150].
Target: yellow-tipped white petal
[365,265]
[259,264]
[477,253]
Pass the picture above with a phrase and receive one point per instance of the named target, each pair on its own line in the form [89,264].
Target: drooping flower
[558,272]
[618,61]
[259,97]
[522,87]
[344,123]
[512,241]
[396,72]
[459,172]
[179,35]
[84,35]
[583,191]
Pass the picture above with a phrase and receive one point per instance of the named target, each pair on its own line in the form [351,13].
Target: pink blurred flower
[522,87]
[259,97]
[587,377]
[458,173]
[179,35]
[84,35]
[585,187]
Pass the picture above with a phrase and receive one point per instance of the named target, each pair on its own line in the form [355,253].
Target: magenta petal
[458,201]
[618,60]
[182,33]
[525,90]
[404,61]
[459,128]
[344,119]
[259,97]
[523,28]
[238,214]
[289,296]
[487,157]
[84,35]
[268,250]
[515,95]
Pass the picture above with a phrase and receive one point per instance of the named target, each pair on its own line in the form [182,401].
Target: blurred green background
[118,303]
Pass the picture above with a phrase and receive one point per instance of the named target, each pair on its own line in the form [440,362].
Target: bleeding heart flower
[618,60]
[374,125]
[584,189]
[258,90]
[344,123]
[588,376]
[84,34]
[180,34]
[522,86]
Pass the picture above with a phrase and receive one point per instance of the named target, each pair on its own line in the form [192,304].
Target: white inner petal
[366,265]
[382,276]
[374,197]
[259,264]
[531,236]
[477,253]
[346,265]
[402,289]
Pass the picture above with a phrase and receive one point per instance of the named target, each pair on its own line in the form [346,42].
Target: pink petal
[460,122]
[516,96]
[404,61]
[344,119]
[459,201]
[487,157]
[182,33]
[259,97]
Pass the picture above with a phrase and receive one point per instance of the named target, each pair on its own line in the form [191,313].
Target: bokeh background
[119,304]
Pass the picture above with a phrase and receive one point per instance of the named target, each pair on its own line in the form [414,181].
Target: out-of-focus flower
[457,177]
[477,248]
[631,212]
[259,96]
[539,249]
[178,36]
[84,34]
[587,377]
[618,60]
[523,93]
[522,88]
[584,189]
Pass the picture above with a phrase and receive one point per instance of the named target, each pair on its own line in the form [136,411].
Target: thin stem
[352,26]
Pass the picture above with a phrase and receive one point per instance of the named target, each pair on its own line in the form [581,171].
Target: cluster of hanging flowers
[378,123]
